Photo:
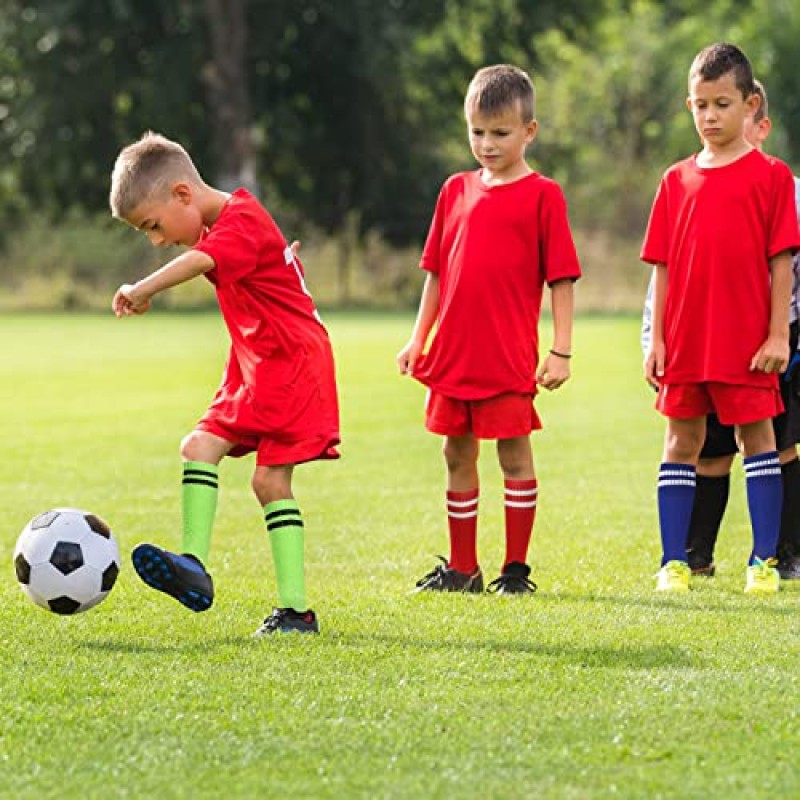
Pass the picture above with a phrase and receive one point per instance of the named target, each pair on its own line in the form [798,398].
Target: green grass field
[594,687]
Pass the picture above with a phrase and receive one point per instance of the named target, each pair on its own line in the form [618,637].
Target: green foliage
[613,110]
[594,687]
[79,263]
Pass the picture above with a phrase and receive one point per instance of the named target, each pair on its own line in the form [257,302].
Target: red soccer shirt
[279,380]
[493,248]
[716,229]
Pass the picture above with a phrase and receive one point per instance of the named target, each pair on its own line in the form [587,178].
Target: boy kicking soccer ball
[278,392]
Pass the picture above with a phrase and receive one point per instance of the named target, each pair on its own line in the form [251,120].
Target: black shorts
[720,440]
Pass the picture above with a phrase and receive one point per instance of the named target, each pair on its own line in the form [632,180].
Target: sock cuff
[763,465]
[199,472]
[201,466]
[677,475]
[282,513]
[521,494]
[469,494]
[513,483]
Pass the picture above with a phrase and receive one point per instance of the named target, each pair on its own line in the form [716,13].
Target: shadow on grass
[188,648]
[622,656]
[694,601]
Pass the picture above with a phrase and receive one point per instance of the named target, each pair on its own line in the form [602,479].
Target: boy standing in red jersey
[498,235]
[721,235]
[278,393]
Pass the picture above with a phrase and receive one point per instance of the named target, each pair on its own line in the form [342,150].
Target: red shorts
[293,416]
[504,416]
[733,404]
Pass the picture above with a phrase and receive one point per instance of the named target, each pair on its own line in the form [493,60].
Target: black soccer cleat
[704,570]
[789,568]
[180,576]
[287,620]
[514,580]
[444,579]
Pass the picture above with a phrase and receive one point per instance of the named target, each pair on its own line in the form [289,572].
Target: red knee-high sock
[520,505]
[462,523]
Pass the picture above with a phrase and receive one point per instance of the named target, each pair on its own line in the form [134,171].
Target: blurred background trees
[346,115]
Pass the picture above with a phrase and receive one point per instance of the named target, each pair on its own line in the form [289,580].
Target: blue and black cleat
[181,576]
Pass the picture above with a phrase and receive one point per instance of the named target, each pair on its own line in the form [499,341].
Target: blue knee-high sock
[676,488]
[764,499]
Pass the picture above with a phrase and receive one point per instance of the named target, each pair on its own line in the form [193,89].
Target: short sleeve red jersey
[716,229]
[279,380]
[493,248]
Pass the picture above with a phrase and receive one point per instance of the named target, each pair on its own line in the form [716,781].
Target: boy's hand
[654,365]
[128,301]
[553,372]
[407,358]
[772,356]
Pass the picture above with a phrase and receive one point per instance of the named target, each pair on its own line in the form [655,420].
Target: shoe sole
[157,572]
[300,631]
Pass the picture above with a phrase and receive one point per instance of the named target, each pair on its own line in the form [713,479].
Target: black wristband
[560,355]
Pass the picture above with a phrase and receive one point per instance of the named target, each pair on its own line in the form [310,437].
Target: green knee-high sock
[200,487]
[286,537]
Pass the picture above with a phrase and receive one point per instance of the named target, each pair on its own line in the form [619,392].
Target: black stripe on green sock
[282,512]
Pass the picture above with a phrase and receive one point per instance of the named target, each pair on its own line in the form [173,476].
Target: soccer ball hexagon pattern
[66,560]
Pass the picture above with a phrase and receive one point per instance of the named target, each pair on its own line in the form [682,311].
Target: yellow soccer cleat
[674,577]
[762,577]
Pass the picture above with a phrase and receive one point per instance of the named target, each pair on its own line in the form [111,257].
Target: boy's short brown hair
[493,89]
[716,60]
[148,169]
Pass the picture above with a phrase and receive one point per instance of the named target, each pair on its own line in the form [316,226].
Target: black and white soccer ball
[66,560]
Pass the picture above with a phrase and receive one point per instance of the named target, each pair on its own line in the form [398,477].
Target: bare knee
[272,483]
[684,440]
[515,458]
[460,453]
[205,447]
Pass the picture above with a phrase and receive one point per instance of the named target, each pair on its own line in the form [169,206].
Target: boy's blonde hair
[494,89]
[146,170]
[763,106]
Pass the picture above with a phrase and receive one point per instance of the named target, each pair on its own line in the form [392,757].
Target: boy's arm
[656,355]
[135,298]
[554,369]
[426,316]
[773,355]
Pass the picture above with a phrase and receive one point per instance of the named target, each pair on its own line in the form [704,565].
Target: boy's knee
[459,452]
[200,446]
[271,483]
[190,447]
[683,449]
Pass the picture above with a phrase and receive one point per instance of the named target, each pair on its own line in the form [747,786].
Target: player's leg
[273,488]
[711,495]
[787,437]
[184,576]
[789,539]
[764,500]
[676,491]
[460,572]
[521,492]
[452,419]
[201,452]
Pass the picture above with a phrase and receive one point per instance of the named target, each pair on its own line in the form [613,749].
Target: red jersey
[493,248]
[716,229]
[279,381]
